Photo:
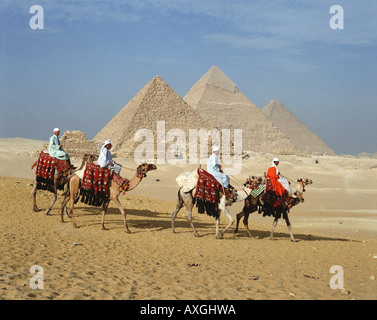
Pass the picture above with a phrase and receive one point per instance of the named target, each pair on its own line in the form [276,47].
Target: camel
[59,182]
[114,192]
[187,199]
[259,201]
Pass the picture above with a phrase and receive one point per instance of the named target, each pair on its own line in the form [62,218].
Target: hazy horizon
[93,57]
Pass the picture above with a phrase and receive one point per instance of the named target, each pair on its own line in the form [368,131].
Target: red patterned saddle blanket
[273,200]
[207,187]
[208,191]
[45,171]
[95,184]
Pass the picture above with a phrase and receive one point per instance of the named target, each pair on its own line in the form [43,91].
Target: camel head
[300,189]
[89,157]
[144,168]
[302,183]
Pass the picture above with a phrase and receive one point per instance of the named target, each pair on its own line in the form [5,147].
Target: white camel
[186,198]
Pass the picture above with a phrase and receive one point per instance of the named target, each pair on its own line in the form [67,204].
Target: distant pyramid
[217,99]
[77,144]
[155,102]
[302,137]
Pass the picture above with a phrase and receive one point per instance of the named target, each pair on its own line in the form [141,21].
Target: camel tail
[78,194]
[180,197]
[35,163]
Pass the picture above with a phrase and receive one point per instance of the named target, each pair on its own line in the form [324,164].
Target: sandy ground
[337,225]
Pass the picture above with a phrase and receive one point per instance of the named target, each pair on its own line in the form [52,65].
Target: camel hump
[187,180]
[80,173]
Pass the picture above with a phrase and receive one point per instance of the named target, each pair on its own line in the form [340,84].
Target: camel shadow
[158,221]
[259,234]
[137,219]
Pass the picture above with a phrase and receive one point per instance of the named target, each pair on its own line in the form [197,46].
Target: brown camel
[114,192]
[60,182]
[275,212]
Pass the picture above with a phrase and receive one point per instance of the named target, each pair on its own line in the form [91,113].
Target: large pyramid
[294,129]
[154,103]
[216,99]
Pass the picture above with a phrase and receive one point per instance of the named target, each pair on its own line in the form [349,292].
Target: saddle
[95,183]
[207,194]
[94,188]
[45,172]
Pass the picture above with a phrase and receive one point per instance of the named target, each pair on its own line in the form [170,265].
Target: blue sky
[92,57]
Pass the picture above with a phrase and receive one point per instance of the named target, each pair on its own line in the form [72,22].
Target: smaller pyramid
[302,137]
[76,144]
[154,103]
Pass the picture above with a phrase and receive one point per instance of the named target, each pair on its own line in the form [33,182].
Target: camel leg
[104,210]
[71,205]
[238,218]
[66,194]
[246,224]
[64,207]
[116,201]
[273,228]
[231,221]
[218,235]
[285,215]
[34,195]
[178,207]
[52,203]
[189,219]
[224,209]
[66,213]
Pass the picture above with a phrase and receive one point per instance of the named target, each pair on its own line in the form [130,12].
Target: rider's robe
[274,178]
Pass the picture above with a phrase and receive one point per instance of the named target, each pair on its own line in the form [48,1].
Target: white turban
[56,129]
[107,142]
[214,149]
[274,165]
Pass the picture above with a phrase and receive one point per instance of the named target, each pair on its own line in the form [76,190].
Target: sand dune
[337,225]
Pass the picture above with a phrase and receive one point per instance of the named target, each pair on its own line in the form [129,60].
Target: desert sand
[337,225]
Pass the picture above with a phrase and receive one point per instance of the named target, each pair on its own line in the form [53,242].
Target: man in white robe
[214,168]
[55,148]
[105,160]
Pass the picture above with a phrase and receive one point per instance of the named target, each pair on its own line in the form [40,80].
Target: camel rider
[105,160]
[55,148]
[215,169]
[279,183]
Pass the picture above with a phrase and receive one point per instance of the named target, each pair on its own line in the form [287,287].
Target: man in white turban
[105,160]
[214,168]
[55,148]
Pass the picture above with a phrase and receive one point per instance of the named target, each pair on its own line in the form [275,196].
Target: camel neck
[134,182]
